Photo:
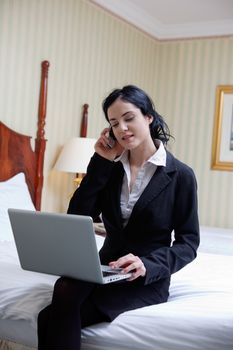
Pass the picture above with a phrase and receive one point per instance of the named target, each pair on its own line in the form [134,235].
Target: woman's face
[129,125]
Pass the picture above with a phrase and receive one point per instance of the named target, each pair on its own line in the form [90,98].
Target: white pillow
[14,193]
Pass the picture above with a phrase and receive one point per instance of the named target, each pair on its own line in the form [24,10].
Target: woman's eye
[129,118]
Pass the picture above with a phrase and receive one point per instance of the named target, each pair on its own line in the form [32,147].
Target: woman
[143,194]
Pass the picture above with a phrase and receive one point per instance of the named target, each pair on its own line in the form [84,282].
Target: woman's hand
[130,263]
[107,147]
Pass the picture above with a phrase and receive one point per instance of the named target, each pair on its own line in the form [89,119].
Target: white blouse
[144,175]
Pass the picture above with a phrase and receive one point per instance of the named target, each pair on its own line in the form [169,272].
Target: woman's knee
[63,289]
[69,290]
[62,285]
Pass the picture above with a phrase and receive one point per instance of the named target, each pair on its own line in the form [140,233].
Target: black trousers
[78,304]
[59,324]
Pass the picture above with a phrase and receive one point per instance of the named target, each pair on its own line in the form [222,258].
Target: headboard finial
[45,67]
[43,100]
[83,131]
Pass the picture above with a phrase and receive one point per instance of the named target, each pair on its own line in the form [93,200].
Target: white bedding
[198,315]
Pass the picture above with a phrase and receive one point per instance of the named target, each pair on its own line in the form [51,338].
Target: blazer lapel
[157,184]
[116,194]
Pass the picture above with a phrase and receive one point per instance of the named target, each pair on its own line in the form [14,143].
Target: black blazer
[168,203]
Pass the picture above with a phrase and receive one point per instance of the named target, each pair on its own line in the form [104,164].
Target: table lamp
[75,156]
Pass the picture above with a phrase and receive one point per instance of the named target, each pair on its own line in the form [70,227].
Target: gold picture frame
[222,145]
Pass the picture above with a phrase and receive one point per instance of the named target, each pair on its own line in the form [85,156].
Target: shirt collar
[158,158]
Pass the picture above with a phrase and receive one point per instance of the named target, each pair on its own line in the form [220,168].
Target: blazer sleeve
[164,261]
[86,200]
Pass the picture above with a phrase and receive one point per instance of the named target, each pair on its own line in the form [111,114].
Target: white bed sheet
[22,294]
[198,315]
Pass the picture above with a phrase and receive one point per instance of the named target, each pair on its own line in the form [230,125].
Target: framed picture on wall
[222,146]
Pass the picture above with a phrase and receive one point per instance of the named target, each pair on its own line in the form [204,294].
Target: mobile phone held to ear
[112,139]
[111,134]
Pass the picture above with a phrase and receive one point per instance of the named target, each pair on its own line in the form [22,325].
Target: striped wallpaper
[188,75]
[91,52]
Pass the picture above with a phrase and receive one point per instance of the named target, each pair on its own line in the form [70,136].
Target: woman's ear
[150,118]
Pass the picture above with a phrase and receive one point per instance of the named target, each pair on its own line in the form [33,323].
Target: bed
[198,314]
[199,311]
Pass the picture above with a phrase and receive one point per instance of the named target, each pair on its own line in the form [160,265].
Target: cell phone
[111,139]
[111,134]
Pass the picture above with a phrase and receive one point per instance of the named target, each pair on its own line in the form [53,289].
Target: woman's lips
[127,137]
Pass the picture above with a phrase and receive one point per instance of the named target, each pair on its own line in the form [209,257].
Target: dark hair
[130,93]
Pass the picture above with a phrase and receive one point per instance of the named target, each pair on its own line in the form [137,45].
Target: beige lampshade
[75,155]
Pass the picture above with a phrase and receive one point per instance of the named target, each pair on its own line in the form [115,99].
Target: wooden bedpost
[83,129]
[83,133]
[40,141]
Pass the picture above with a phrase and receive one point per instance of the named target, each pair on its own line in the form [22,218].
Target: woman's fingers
[106,148]
[130,263]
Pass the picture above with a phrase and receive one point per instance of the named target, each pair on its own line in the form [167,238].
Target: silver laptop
[60,244]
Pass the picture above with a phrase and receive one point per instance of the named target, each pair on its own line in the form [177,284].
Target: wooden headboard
[16,154]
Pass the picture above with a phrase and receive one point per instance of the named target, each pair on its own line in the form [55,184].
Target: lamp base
[78,179]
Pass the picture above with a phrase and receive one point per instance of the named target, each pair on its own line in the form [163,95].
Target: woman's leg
[42,326]
[59,325]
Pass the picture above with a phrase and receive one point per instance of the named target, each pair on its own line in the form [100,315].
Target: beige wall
[90,53]
[189,72]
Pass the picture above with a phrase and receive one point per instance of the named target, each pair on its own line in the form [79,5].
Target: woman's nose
[123,126]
